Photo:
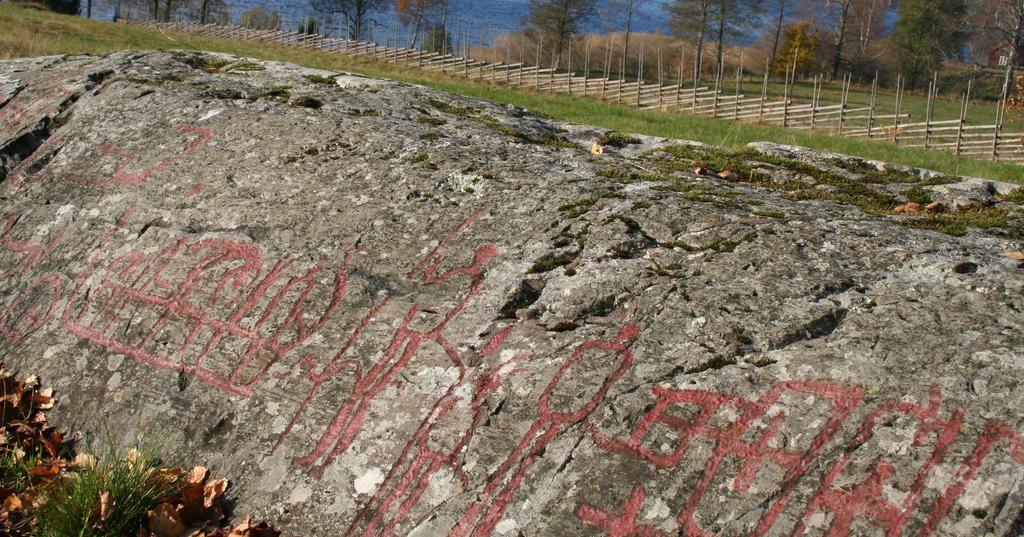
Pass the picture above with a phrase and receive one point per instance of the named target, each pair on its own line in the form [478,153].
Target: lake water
[489,17]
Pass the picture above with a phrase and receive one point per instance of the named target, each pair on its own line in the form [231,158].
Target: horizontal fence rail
[841,119]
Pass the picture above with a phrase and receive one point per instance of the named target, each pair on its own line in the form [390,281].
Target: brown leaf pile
[32,449]
[36,456]
[198,510]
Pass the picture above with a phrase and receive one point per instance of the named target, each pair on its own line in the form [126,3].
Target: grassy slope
[32,33]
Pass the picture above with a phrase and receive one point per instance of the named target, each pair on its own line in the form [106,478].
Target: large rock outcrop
[385,310]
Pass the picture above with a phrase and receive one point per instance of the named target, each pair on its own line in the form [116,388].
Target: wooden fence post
[586,72]
[847,81]
[871,107]
[698,57]
[932,91]
[718,89]
[551,73]
[785,99]
[899,103]
[1001,110]
[679,78]
[764,90]
[661,102]
[963,118]
[508,60]
[536,73]
[622,76]
[607,68]
[569,66]
[639,74]
[465,53]
[736,97]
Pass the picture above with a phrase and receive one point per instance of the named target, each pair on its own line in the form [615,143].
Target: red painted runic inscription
[483,515]
[843,505]
[225,292]
[624,525]
[729,441]
[123,177]
[865,501]
[423,457]
[371,380]
[36,303]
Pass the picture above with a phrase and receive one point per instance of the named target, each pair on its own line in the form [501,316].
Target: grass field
[29,32]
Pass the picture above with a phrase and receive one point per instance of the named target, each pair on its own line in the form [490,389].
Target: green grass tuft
[617,139]
[320,79]
[70,508]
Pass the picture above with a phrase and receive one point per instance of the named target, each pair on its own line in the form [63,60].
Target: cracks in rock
[26,145]
[831,290]
[10,97]
[821,327]
[639,240]
[566,257]
[570,456]
[22,148]
[525,295]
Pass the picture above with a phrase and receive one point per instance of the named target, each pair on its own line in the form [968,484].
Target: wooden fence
[841,119]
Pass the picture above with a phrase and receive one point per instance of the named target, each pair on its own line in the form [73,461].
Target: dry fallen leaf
[214,491]
[134,456]
[164,521]
[106,505]
[198,475]
[84,461]
[12,503]
[44,471]
[908,208]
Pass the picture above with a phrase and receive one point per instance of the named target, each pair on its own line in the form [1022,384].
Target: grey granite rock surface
[385,310]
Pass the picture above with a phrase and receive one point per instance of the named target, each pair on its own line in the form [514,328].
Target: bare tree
[558,20]
[355,12]
[696,19]
[841,9]
[625,11]
[779,20]
[413,15]
[690,19]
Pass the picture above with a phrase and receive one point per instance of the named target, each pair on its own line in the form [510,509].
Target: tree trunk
[778,34]
[561,33]
[698,64]
[721,36]
[837,60]
[1015,49]
[629,27]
